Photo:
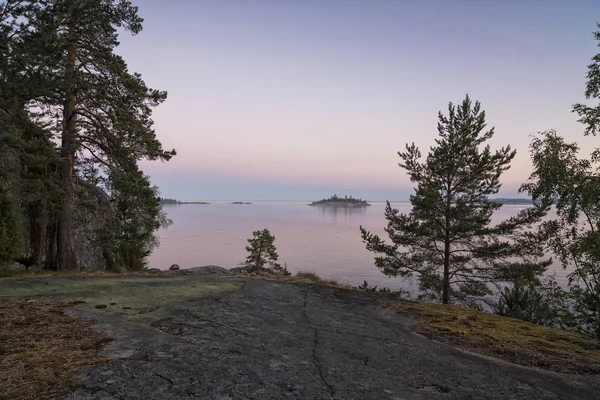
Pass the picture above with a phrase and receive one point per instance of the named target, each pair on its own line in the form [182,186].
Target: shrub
[525,302]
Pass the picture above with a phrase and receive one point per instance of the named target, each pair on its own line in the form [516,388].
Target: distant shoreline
[183,202]
[504,201]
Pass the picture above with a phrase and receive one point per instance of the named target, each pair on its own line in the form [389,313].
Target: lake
[317,239]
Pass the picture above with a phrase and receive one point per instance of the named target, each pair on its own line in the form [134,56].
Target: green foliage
[285,270]
[447,240]
[336,199]
[572,184]
[365,287]
[128,238]
[10,229]
[75,116]
[168,201]
[590,116]
[525,302]
[263,253]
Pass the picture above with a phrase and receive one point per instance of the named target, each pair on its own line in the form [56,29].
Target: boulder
[245,269]
[15,266]
[208,269]
[174,267]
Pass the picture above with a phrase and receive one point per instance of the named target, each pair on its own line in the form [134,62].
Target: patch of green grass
[134,297]
[505,338]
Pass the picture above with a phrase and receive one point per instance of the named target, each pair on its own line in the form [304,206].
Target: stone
[174,267]
[245,269]
[208,269]
[15,266]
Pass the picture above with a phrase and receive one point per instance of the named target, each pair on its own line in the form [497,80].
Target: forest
[74,124]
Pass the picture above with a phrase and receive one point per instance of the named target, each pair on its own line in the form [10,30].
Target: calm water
[324,240]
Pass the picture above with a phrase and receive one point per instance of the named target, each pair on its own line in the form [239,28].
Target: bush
[10,229]
[366,287]
[525,302]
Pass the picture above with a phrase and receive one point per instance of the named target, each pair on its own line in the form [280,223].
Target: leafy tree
[10,228]
[590,116]
[447,240]
[572,184]
[262,250]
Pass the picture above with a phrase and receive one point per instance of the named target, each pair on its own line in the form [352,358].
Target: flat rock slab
[273,340]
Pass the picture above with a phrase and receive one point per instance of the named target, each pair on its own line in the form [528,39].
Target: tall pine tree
[447,240]
[105,110]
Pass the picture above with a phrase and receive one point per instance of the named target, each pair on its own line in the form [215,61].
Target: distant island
[335,201]
[506,201]
[240,202]
[175,202]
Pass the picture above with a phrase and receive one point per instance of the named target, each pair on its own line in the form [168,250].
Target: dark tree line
[74,122]
[337,199]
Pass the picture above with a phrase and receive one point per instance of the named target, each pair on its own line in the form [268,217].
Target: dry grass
[41,348]
[505,338]
[309,276]
[300,277]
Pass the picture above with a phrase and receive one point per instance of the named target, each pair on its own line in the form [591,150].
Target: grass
[505,338]
[300,277]
[41,348]
[309,276]
[132,297]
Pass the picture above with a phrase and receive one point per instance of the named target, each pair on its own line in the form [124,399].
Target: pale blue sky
[296,100]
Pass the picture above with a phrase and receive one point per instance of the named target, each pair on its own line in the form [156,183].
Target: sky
[300,99]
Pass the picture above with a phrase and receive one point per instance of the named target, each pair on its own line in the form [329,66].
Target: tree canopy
[74,116]
[448,240]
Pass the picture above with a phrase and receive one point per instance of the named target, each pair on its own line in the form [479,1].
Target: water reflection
[342,215]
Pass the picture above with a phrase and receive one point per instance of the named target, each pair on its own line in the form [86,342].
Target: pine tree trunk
[446,282]
[446,279]
[66,253]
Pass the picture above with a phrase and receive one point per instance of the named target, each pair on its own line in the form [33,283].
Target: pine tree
[447,240]
[128,237]
[105,110]
[262,250]
[25,141]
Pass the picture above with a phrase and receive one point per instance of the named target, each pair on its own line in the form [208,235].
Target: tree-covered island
[165,201]
[336,201]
